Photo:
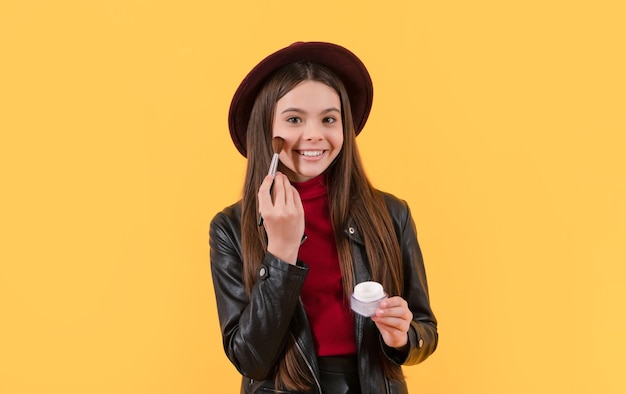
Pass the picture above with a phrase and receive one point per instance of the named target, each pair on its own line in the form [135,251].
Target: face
[308,117]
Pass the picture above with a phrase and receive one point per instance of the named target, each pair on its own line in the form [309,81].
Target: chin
[307,176]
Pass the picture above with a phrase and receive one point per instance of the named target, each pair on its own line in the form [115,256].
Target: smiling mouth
[311,153]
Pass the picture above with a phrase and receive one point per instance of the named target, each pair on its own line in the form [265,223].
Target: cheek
[338,141]
[289,143]
[277,128]
[287,152]
[284,132]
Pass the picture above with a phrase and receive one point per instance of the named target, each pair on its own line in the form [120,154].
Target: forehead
[311,94]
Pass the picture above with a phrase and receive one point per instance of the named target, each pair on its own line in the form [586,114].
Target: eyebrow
[301,111]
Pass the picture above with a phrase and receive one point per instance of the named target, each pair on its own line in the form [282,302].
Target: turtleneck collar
[311,189]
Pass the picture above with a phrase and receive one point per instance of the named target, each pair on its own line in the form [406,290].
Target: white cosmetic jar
[367,297]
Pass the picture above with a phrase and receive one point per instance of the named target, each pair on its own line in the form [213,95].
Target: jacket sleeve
[423,336]
[255,327]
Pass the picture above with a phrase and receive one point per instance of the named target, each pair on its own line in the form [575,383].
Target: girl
[283,297]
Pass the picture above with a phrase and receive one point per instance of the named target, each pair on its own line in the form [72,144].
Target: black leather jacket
[254,328]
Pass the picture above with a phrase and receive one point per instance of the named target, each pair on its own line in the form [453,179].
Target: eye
[329,119]
[294,119]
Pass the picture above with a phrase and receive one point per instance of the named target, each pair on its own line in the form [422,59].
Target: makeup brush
[277,146]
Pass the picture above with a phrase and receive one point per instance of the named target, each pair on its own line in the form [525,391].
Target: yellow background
[502,123]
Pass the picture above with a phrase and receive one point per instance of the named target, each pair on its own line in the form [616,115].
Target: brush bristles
[277,144]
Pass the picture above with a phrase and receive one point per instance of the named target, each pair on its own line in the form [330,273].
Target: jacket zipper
[317,383]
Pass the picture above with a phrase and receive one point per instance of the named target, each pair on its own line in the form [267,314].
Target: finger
[390,314]
[392,335]
[279,190]
[265,200]
[291,194]
[391,322]
[297,201]
[266,184]
[398,310]
[392,302]
[298,211]
[395,311]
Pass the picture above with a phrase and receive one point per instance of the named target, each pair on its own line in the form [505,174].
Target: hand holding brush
[284,190]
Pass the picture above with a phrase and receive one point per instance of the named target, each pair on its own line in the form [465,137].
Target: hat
[341,61]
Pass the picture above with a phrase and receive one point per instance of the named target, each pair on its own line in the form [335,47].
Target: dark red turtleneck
[328,312]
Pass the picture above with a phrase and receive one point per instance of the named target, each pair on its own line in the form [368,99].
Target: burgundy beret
[341,61]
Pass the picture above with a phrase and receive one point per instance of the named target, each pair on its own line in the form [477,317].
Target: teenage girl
[283,288]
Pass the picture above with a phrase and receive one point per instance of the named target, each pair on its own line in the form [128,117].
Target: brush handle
[273,166]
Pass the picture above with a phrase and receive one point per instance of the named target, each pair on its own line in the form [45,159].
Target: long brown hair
[351,197]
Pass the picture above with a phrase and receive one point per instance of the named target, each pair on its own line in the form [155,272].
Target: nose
[312,132]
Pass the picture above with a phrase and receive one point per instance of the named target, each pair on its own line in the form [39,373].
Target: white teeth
[311,153]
